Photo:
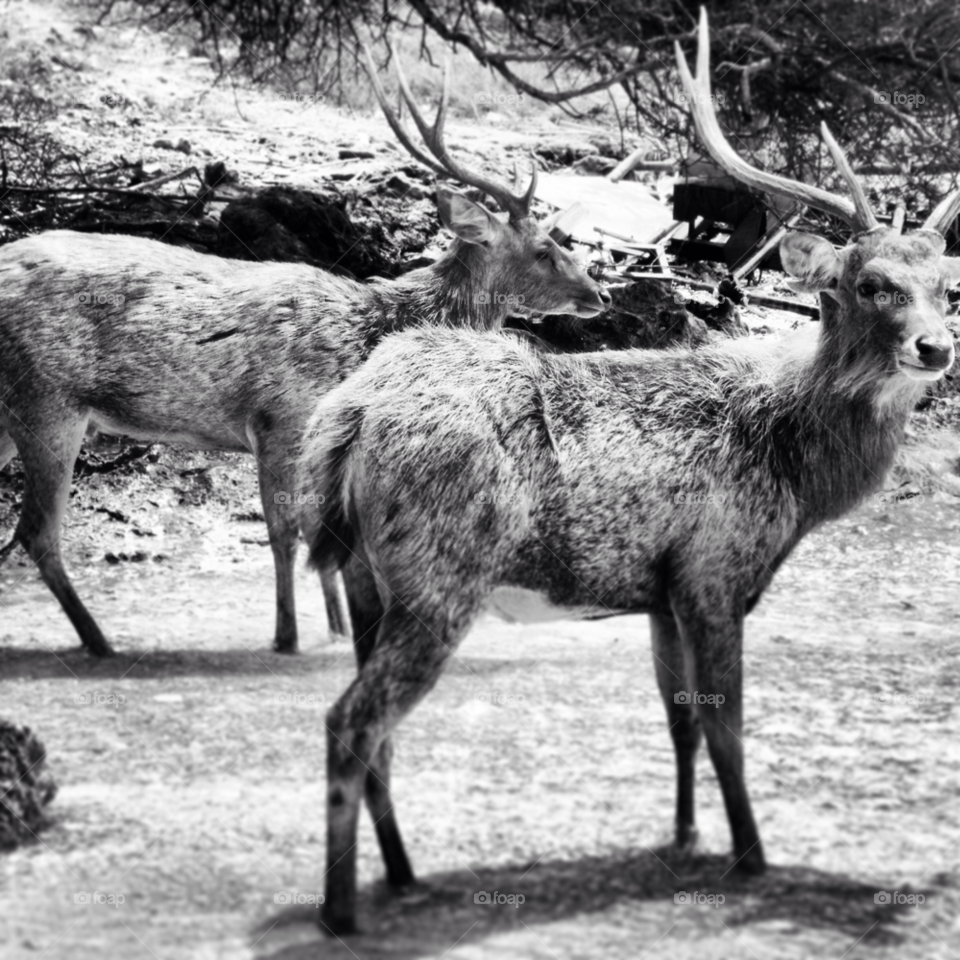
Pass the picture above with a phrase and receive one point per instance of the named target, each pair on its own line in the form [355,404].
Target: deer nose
[605,297]
[933,352]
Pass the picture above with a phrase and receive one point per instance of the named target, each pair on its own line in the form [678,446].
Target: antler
[944,213]
[857,214]
[517,206]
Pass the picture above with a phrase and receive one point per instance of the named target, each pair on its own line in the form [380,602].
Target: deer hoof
[337,926]
[100,648]
[751,863]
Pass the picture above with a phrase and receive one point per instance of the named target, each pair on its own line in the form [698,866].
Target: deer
[458,472]
[132,336]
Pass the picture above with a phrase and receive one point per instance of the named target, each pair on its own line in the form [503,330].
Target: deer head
[509,258]
[883,297]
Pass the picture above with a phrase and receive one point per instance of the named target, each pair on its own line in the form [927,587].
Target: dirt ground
[190,817]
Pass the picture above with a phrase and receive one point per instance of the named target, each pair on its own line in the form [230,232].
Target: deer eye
[543,254]
[867,289]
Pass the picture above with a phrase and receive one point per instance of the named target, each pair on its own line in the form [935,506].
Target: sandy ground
[191,767]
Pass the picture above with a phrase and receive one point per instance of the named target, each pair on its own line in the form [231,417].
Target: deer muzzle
[927,355]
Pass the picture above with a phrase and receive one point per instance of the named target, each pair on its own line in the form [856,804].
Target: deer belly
[519,605]
[213,435]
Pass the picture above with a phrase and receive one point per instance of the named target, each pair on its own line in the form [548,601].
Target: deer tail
[328,526]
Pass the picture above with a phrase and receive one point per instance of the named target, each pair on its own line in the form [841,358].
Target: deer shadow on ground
[447,912]
[74,662]
[17,663]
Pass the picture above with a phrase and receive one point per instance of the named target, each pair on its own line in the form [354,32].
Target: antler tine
[399,130]
[864,213]
[527,198]
[517,207]
[708,128]
[531,190]
[899,217]
[944,213]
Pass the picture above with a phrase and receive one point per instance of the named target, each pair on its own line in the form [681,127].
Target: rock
[26,788]
[293,226]
[401,187]
[564,153]
[216,173]
[594,165]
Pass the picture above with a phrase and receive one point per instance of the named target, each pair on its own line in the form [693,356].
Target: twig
[770,241]
[166,178]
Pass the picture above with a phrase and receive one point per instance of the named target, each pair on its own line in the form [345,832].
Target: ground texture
[190,816]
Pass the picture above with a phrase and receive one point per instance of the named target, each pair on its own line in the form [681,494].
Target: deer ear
[950,268]
[812,262]
[466,219]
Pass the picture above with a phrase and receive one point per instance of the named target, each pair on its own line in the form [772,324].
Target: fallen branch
[84,468]
[166,178]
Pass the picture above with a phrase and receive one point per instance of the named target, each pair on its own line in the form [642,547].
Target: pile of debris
[375,219]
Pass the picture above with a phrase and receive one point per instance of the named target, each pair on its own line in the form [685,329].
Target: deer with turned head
[172,345]
[463,472]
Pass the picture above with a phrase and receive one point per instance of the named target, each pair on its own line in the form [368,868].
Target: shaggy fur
[455,465]
[175,346]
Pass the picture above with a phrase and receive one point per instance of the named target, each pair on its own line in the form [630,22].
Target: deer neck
[844,417]
[453,292]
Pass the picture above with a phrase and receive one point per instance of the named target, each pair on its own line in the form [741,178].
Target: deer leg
[714,646]
[280,512]
[48,467]
[685,729]
[403,665]
[366,612]
[338,622]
